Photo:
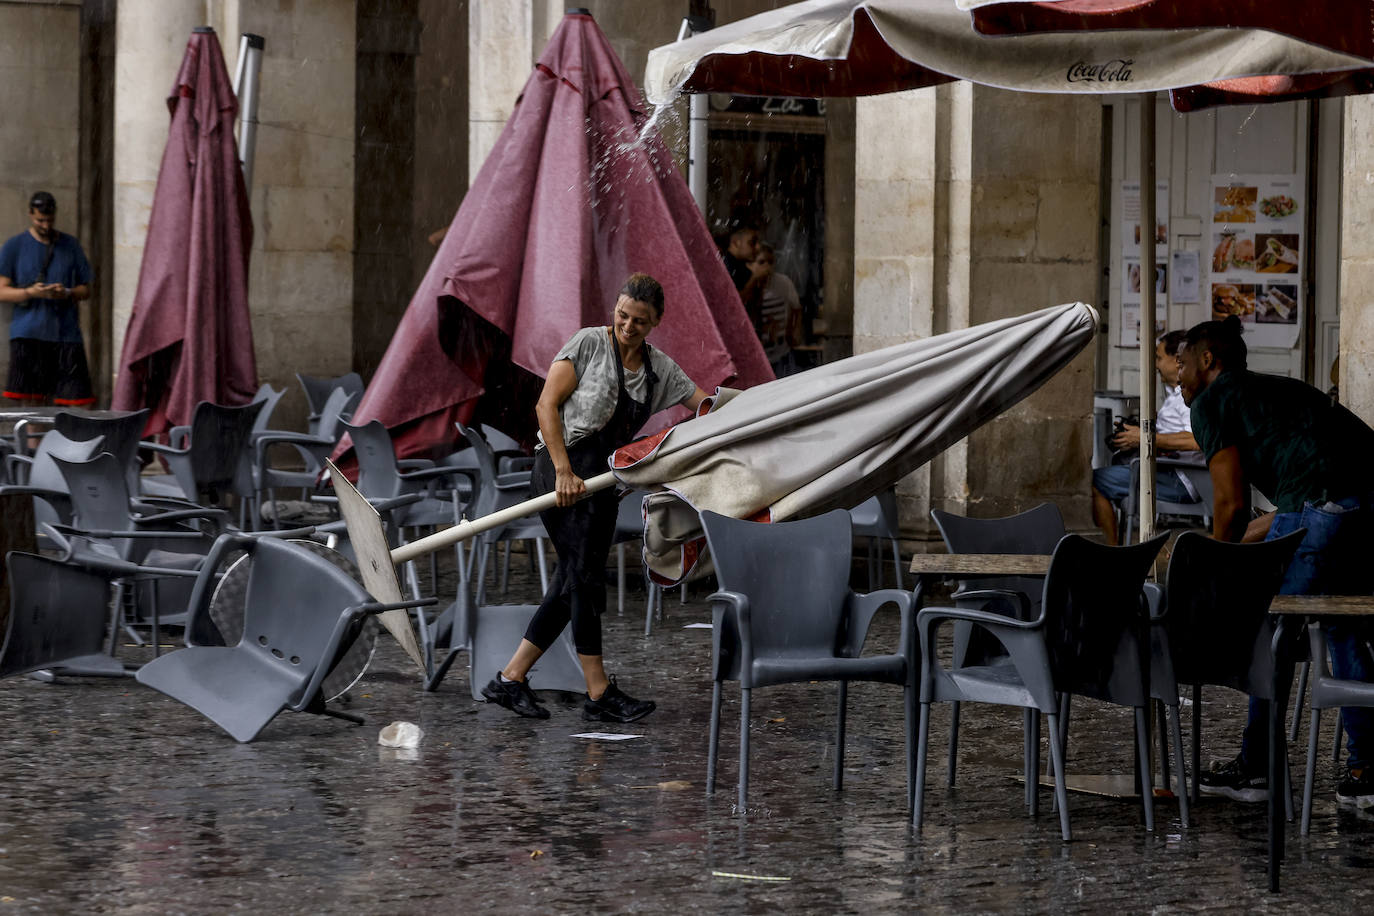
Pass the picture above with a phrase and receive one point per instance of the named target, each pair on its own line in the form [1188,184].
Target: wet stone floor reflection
[116,798]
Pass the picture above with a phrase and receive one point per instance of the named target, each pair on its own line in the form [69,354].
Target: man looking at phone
[44,273]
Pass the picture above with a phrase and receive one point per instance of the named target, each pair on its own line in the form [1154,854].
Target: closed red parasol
[190,337]
[571,200]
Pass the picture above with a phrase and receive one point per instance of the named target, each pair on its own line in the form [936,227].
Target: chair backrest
[58,612]
[221,449]
[1102,428]
[484,500]
[338,407]
[44,472]
[1095,620]
[1035,531]
[378,473]
[795,574]
[100,497]
[121,435]
[269,397]
[317,389]
[1215,613]
[293,602]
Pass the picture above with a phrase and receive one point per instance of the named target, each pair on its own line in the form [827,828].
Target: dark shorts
[1114,481]
[43,369]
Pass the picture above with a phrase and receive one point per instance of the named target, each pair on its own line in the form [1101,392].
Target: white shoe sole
[1250,796]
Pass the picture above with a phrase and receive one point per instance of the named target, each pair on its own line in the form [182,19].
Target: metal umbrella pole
[697,119]
[246,84]
[1147,316]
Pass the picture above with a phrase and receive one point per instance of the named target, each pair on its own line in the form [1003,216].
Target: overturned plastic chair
[299,610]
[58,617]
[785,614]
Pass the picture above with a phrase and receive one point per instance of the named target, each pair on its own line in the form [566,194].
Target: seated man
[1308,456]
[1173,433]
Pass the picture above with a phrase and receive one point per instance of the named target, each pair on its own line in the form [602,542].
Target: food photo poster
[1257,251]
[1130,261]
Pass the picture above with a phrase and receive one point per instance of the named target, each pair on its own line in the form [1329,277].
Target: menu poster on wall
[1257,250]
[1130,260]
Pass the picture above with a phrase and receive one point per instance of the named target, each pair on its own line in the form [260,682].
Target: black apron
[582,533]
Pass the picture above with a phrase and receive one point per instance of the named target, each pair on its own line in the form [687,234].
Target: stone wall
[973,204]
[40,131]
[1357,259]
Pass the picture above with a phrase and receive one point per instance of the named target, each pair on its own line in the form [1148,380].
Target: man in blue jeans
[1309,456]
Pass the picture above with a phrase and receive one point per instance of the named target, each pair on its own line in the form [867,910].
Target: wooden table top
[1324,605]
[980,564]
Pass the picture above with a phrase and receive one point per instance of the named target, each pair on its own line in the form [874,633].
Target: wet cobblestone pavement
[115,798]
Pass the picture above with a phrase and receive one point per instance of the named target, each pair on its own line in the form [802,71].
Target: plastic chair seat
[239,693]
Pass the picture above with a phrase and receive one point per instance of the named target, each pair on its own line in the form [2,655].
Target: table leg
[1278,751]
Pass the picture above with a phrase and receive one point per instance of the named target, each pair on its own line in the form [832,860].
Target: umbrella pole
[1147,316]
[461,532]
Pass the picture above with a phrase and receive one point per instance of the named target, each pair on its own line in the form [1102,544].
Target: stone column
[500,53]
[150,40]
[973,204]
[1357,258]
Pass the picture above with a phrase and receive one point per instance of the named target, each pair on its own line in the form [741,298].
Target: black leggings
[581,535]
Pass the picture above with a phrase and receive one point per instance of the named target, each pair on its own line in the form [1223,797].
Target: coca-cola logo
[1112,71]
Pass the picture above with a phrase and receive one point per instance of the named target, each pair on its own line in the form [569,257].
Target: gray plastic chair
[876,518]
[216,461]
[1089,639]
[1036,531]
[120,436]
[1197,475]
[310,449]
[1213,628]
[37,475]
[497,491]
[299,610]
[57,621]
[317,391]
[785,614]
[1328,692]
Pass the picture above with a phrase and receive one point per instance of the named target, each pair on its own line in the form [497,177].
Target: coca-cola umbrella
[863,47]
[1339,25]
[190,336]
[574,197]
[828,437]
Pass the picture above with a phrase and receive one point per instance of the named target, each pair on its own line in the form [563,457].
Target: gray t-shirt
[591,404]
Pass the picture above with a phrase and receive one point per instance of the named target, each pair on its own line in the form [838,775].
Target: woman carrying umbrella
[602,387]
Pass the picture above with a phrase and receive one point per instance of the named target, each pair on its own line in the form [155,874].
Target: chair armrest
[434,473]
[976,594]
[413,464]
[204,589]
[514,464]
[13,463]
[860,610]
[164,449]
[179,437]
[376,607]
[515,481]
[1156,601]
[60,501]
[929,618]
[315,446]
[218,516]
[730,624]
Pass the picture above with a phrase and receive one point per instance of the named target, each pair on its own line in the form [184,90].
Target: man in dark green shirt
[1309,456]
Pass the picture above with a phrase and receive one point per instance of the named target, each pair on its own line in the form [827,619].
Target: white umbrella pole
[1147,316]
[461,532]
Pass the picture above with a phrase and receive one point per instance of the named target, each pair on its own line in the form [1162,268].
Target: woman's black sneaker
[615,705]
[515,696]
[1234,780]
[1356,790]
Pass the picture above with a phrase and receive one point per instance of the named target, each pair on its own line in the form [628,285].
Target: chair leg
[1336,741]
[1303,670]
[1033,774]
[1311,769]
[839,735]
[919,789]
[1175,716]
[909,715]
[1162,717]
[152,606]
[1142,743]
[1026,754]
[505,568]
[897,563]
[1061,788]
[953,743]
[655,594]
[1197,743]
[743,751]
[714,744]
[874,575]
[543,565]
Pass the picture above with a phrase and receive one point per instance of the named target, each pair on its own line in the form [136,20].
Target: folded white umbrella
[829,437]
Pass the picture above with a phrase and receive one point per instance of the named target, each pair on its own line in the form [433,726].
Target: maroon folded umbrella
[190,338]
[570,201]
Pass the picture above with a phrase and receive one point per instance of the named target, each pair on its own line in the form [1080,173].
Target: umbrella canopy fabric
[1336,24]
[837,434]
[190,337]
[574,197]
[865,47]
